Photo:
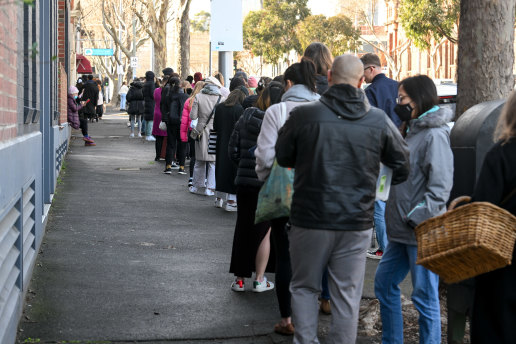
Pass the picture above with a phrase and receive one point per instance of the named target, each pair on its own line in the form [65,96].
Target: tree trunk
[486,52]
[184,42]
[160,50]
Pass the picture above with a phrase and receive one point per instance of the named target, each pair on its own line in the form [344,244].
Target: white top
[123,90]
[101,99]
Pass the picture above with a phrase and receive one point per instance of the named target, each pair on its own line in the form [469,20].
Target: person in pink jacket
[184,130]
[156,131]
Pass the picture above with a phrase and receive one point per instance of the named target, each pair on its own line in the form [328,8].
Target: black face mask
[404,111]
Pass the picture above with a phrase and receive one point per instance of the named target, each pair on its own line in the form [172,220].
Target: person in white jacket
[300,88]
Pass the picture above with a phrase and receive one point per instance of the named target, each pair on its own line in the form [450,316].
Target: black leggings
[84,126]
[283,267]
[158,145]
[173,144]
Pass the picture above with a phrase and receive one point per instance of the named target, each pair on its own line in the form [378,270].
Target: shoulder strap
[212,112]
[509,196]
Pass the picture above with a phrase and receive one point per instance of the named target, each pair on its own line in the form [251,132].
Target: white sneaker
[231,207]
[238,285]
[131,135]
[139,135]
[265,285]
[219,202]
[208,192]
[150,138]
[192,189]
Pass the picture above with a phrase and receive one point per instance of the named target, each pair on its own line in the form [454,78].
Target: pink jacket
[185,122]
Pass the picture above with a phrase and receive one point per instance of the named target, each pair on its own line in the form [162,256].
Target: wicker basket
[468,241]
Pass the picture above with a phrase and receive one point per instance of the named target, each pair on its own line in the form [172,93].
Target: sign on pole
[98,52]
[226,25]
[119,69]
[134,61]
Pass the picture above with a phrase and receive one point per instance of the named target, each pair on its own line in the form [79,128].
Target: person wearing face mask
[422,196]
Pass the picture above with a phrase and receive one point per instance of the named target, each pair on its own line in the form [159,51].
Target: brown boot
[325,306]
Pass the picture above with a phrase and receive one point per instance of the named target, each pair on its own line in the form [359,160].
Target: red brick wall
[61,53]
[63,92]
[8,62]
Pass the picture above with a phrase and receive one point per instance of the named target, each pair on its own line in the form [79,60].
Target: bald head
[346,69]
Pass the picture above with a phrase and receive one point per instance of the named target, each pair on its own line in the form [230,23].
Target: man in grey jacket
[332,211]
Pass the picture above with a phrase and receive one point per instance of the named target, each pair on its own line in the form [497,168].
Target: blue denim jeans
[122,101]
[379,224]
[398,259]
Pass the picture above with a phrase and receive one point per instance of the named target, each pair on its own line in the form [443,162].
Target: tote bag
[275,196]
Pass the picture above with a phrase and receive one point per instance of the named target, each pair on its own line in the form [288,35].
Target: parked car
[447,92]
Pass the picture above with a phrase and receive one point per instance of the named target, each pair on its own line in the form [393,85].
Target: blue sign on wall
[98,52]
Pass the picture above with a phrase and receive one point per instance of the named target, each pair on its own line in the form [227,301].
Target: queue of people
[317,120]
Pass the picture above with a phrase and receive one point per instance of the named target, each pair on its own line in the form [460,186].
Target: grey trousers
[344,252]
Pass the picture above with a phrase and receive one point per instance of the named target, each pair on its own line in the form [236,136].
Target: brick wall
[61,53]
[63,94]
[8,62]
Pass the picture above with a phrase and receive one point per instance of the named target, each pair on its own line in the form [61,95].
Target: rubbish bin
[471,138]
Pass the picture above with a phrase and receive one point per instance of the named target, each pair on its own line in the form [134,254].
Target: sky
[325,7]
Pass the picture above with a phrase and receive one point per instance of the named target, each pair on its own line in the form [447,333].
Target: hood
[346,101]
[321,82]
[72,90]
[136,84]
[299,93]
[211,89]
[434,118]
[213,81]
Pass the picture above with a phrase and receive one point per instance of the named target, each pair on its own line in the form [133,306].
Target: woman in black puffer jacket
[136,105]
[251,245]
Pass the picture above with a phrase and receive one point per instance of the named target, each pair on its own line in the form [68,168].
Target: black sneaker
[190,182]
[181,171]
[168,171]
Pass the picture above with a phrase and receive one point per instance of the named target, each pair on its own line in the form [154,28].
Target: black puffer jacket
[242,140]
[148,96]
[336,145]
[135,99]
[172,106]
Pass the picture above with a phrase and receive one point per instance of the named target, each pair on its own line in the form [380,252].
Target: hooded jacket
[148,96]
[427,189]
[73,112]
[242,140]
[336,146]
[135,99]
[272,122]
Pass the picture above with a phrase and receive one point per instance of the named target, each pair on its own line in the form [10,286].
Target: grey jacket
[425,193]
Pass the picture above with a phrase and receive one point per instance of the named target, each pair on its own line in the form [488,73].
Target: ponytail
[302,73]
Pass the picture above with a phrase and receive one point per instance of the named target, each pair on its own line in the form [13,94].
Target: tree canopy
[271,32]
[201,21]
[337,33]
[423,20]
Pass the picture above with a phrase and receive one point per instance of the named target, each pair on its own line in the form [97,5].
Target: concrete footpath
[130,255]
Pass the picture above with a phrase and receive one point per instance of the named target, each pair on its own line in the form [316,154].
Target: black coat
[171,106]
[224,121]
[495,295]
[241,144]
[336,145]
[91,93]
[135,99]
[148,97]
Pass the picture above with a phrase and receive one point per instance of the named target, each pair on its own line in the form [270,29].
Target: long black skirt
[248,236]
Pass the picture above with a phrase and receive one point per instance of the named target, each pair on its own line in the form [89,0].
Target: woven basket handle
[458,200]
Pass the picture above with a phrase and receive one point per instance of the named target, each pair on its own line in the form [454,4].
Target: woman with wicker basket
[494,308]
[422,196]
